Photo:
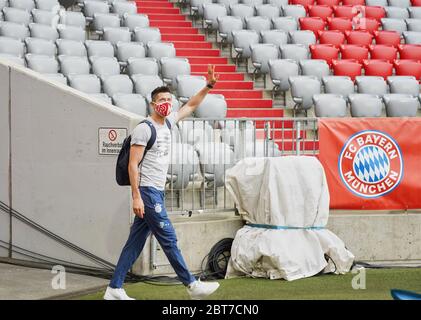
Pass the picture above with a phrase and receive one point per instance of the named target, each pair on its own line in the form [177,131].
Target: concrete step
[155,10]
[170,23]
[234,85]
[182,37]
[249,103]
[199,52]
[178,30]
[192,45]
[203,67]
[224,76]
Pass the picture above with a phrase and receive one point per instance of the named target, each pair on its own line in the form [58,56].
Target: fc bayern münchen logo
[371,164]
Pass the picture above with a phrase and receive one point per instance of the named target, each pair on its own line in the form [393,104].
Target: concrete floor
[23,283]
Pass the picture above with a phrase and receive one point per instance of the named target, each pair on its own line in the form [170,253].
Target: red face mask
[163,109]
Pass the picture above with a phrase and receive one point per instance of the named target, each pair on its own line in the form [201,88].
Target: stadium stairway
[243,100]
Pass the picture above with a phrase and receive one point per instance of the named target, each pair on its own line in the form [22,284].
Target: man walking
[148,193]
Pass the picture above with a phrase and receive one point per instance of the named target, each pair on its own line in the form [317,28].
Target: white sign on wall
[110,140]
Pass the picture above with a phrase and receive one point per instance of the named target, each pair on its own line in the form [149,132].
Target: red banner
[372,163]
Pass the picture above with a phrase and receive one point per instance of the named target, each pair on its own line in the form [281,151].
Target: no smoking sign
[110,140]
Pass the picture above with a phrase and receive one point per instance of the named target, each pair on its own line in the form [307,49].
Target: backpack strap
[152,139]
[168,123]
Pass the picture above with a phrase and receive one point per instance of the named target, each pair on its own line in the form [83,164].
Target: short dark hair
[158,90]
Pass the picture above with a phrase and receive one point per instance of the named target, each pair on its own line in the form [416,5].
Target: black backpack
[122,166]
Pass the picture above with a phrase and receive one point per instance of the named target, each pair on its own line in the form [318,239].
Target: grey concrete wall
[59,178]
[4,154]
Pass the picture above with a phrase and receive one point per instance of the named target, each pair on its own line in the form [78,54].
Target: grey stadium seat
[414,12]
[114,35]
[146,66]
[188,86]
[183,166]
[268,10]
[40,46]
[103,20]
[260,56]
[398,25]
[365,105]
[71,48]
[413,24]
[404,85]
[227,3]
[412,37]
[47,5]
[314,67]
[14,59]
[145,84]
[305,37]
[195,132]
[43,31]
[99,48]
[22,4]
[401,105]
[124,7]
[371,85]
[105,66]
[133,21]
[253,2]
[295,11]
[13,30]
[101,97]
[329,105]
[278,3]
[302,90]
[280,71]
[285,23]
[211,12]
[295,52]
[126,50]
[213,106]
[45,17]
[42,64]
[341,85]
[56,77]
[242,11]
[242,40]
[119,83]
[396,13]
[74,65]
[196,7]
[380,3]
[226,25]
[258,24]
[12,46]
[147,34]
[71,32]
[132,102]
[159,50]
[276,37]
[88,83]
[17,15]
[399,3]
[72,18]
[173,67]
[92,7]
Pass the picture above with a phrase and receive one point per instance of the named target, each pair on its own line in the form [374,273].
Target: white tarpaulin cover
[285,203]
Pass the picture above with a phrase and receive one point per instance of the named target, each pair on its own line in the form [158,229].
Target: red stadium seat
[374,12]
[326,52]
[341,24]
[381,68]
[333,37]
[389,38]
[348,12]
[410,51]
[330,3]
[314,24]
[321,11]
[353,2]
[381,51]
[416,3]
[353,52]
[370,25]
[304,3]
[408,68]
[359,38]
[350,68]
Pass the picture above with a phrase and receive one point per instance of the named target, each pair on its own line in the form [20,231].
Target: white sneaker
[199,290]
[116,294]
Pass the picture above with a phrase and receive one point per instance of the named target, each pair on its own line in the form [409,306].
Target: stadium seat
[56,77]
[330,3]
[119,83]
[92,7]
[40,46]
[285,23]
[17,15]
[227,3]
[375,12]
[211,11]
[416,3]
[414,12]
[365,105]
[22,4]
[412,37]
[295,52]
[41,63]
[43,31]
[101,97]
[70,65]
[333,37]
[132,102]
[12,46]
[399,3]
[260,56]
[404,85]
[354,52]
[353,2]
[397,25]
[413,24]
[258,24]
[99,48]
[145,35]
[304,37]
[72,18]
[314,67]
[389,38]
[14,30]
[327,52]
[226,25]
[196,7]
[145,66]
[276,37]
[410,51]
[105,66]
[341,24]
[347,12]
[380,51]
[304,3]
[71,32]
[302,90]
[341,85]
[88,83]
[268,10]
[188,86]
[159,50]
[314,24]
[375,85]
[124,7]
[45,17]
[103,20]
[295,11]
[350,68]
[114,35]
[133,21]
[253,2]
[47,5]
[408,68]
[396,13]
[380,3]
[145,84]
[359,38]
[242,11]
[329,105]
[320,11]
[280,70]
[401,105]
[213,106]
[172,67]
[367,24]
[278,3]
[184,164]
[242,40]
[126,50]
[15,59]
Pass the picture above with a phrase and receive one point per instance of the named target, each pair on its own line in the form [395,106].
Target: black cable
[217,260]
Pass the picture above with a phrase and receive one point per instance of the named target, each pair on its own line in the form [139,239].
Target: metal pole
[298,137]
